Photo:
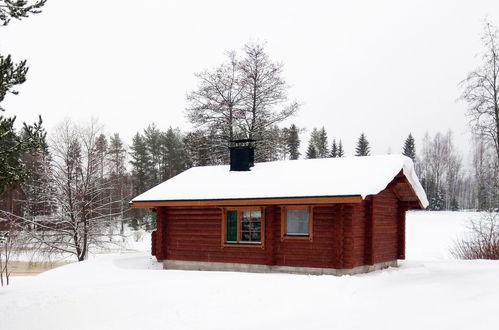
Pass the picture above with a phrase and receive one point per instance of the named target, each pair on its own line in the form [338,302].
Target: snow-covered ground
[129,291]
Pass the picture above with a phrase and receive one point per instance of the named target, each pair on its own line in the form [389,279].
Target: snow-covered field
[128,291]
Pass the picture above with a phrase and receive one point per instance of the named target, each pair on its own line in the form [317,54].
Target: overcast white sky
[385,68]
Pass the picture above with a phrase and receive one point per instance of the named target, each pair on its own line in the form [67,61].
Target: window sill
[297,237]
[246,244]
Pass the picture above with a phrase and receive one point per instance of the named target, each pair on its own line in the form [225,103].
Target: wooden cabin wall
[320,252]
[385,217]
[344,236]
[195,234]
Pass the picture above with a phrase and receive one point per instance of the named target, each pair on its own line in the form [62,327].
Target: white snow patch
[129,291]
[349,176]
[431,235]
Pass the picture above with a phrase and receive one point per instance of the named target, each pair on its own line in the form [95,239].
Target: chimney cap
[242,142]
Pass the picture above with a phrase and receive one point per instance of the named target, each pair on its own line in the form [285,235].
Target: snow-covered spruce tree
[173,154]
[153,144]
[318,145]
[293,142]
[140,161]
[82,218]
[312,145]
[322,144]
[341,152]
[12,145]
[205,148]
[271,144]
[362,148]
[18,9]
[141,165]
[157,156]
[437,201]
[38,189]
[334,149]
[311,152]
[118,178]
[410,148]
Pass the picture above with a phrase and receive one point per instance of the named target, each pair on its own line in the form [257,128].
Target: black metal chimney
[242,154]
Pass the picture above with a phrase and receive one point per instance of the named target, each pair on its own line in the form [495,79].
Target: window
[296,222]
[243,226]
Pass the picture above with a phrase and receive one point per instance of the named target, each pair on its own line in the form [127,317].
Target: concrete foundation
[253,268]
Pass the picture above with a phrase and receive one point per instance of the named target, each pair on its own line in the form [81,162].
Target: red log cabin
[318,216]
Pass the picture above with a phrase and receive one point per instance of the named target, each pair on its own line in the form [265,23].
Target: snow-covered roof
[327,177]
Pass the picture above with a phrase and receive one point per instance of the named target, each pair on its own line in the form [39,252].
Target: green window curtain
[231,226]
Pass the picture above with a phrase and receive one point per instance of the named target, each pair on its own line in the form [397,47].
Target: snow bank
[126,292]
[431,235]
[293,178]
[129,291]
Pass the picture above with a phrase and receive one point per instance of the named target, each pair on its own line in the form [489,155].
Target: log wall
[385,217]
[320,252]
[344,236]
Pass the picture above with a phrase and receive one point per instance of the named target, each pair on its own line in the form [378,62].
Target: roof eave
[250,201]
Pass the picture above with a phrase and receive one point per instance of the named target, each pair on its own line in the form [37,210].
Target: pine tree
[293,142]
[152,140]
[322,144]
[39,188]
[118,178]
[117,155]
[12,144]
[141,179]
[101,153]
[410,148]
[334,149]
[271,144]
[311,152]
[18,9]
[340,153]
[362,148]
[437,201]
[198,146]
[312,145]
[141,165]
[174,154]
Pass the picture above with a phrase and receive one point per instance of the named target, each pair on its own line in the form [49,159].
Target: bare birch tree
[217,101]
[265,91]
[82,217]
[11,239]
[481,90]
[243,98]
[440,171]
